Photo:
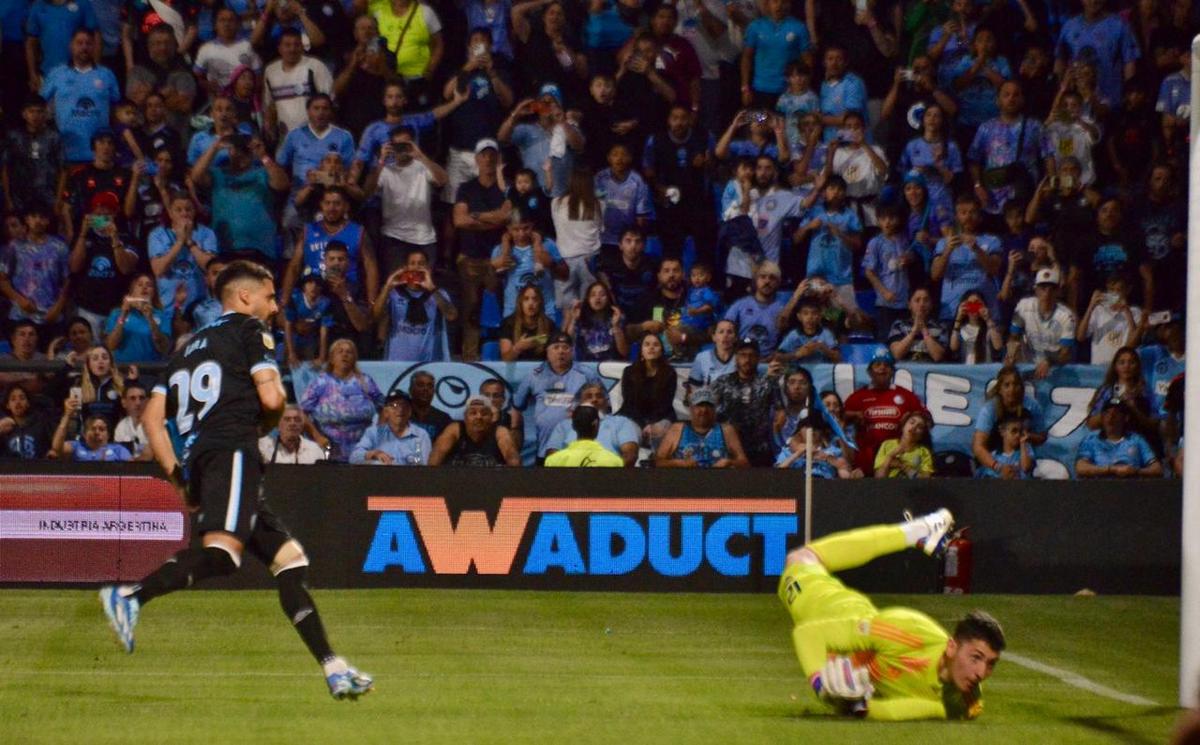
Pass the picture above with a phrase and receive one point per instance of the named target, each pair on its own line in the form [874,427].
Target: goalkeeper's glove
[844,685]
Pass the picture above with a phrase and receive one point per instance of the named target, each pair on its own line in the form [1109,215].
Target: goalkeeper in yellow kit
[890,664]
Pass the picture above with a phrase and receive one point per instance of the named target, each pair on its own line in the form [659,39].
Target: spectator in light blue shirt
[1115,451]
[393,440]
[976,79]
[758,315]
[93,445]
[836,237]
[625,195]
[770,43]
[305,147]
[967,260]
[523,257]
[51,25]
[618,434]
[841,92]
[180,253]
[1103,39]
[549,389]
[81,94]
[417,312]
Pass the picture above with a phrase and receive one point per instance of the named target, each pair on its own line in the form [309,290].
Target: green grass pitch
[544,667]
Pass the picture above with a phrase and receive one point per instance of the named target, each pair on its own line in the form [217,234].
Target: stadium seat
[490,351]
[490,314]
[952,464]
[859,353]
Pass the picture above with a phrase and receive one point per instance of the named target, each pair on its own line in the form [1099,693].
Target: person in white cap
[1043,329]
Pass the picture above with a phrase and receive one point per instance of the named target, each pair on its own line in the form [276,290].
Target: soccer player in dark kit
[203,424]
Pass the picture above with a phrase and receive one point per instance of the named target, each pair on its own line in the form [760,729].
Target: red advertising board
[87,528]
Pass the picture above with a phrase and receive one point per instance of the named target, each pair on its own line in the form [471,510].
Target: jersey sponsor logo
[675,537]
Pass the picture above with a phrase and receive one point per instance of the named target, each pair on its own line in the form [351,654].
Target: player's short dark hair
[635,231]
[980,625]
[239,270]
[337,246]
[966,197]
[585,420]
[288,31]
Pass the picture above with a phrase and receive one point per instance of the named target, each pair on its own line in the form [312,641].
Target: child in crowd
[828,460]
[798,100]
[703,302]
[836,233]
[885,266]
[625,198]
[126,120]
[731,197]
[908,456]
[811,342]
[306,322]
[529,199]
[1014,459]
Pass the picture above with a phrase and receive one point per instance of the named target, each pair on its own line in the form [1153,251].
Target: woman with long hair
[578,219]
[1006,399]
[524,334]
[925,225]
[597,326]
[340,402]
[1123,381]
[101,385]
[648,391]
[910,455]
[975,338]
[935,155]
[138,331]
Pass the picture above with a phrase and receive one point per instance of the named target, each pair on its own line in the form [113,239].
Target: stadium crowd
[731,189]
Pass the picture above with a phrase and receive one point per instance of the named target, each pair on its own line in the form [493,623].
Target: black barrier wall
[676,530]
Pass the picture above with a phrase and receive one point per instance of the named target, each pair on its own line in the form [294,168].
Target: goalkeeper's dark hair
[980,625]
[239,270]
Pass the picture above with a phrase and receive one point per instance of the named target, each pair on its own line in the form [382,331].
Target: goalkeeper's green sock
[853,548]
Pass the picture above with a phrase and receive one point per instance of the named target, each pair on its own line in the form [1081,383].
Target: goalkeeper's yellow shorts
[811,593]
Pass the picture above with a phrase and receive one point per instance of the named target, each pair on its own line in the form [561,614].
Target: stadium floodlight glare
[1189,606]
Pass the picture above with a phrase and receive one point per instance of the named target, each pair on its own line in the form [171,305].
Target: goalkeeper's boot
[122,612]
[939,524]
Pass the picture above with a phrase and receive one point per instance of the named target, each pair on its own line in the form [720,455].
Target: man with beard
[661,311]
[746,399]
[673,164]
[761,316]
[768,207]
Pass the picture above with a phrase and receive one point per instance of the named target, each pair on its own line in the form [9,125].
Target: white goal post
[1189,606]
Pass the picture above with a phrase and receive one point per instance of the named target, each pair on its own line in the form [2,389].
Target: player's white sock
[931,527]
[334,665]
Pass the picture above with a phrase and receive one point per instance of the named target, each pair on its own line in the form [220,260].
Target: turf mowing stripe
[1077,680]
[405,674]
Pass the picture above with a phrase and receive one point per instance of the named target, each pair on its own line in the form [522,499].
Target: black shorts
[227,484]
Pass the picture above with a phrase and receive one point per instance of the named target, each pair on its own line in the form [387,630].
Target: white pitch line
[1077,680]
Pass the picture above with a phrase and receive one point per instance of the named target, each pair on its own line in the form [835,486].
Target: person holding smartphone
[405,179]
[99,261]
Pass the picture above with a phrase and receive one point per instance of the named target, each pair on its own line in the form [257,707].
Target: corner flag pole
[808,456]
[1189,606]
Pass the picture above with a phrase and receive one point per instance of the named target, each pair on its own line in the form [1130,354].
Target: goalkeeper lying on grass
[894,663]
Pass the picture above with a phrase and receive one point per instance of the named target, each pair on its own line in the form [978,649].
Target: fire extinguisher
[957,564]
